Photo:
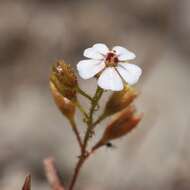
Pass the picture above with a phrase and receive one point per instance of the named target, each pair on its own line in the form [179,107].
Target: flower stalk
[83,93]
[76,132]
[84,153]
[112,72]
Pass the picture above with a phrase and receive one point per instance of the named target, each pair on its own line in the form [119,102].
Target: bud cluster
[63,84]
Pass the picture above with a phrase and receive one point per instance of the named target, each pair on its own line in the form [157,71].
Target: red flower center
[111,59]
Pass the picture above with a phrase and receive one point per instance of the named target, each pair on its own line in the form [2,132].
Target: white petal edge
[110,80]
[123,53]
[89,68]
[101,48]
[129,72]
[92,53]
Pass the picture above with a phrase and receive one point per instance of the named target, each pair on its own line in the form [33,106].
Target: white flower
[111,66]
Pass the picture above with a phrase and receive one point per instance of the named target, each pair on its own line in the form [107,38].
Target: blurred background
[35,33]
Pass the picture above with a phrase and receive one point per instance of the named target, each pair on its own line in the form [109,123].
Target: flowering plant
[112,72]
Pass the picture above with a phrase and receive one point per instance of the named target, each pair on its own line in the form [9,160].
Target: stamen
[111,59]
[110,56]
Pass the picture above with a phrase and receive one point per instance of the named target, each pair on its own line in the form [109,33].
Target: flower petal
[123,53]
[101,48]
[110,80]
[130,72]
[92,53]
[89,68]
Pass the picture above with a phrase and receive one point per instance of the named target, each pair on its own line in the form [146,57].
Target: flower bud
[64,79]
[66,106]
[120,100]
[120,126]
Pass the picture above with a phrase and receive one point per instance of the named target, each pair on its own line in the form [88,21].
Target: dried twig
[27,183]
[52,174]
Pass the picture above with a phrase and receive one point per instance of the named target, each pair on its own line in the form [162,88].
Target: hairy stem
[100,118]
[80,91]
[82,110]
[84,153]
[95,101]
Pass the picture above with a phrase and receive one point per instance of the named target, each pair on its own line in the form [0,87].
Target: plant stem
[84,153]
[84,93]
[96,98]
[100,118]
[76,172]
[82,110]
[79,166]
[76,132]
